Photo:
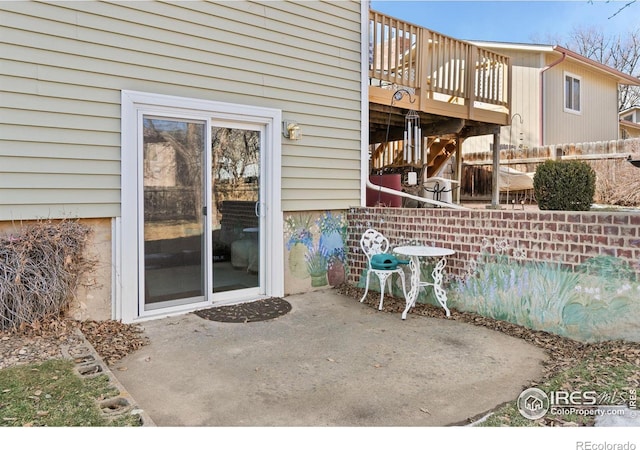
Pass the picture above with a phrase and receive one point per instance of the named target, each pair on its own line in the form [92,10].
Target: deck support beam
[495,178]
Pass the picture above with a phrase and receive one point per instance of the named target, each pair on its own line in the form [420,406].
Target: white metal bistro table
[415,252]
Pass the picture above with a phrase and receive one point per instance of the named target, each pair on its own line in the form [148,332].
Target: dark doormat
[255,311]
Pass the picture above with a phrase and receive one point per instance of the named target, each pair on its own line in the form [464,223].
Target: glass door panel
[235,200]
[173,197]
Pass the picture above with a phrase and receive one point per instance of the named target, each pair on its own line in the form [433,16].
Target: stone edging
[89,364]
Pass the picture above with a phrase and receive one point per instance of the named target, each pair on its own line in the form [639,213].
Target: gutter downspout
[544,69]
[386,190]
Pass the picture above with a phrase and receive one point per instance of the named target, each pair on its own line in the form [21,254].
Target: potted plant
[299,242]
[317,261]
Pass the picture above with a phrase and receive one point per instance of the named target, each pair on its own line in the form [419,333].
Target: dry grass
[618,182]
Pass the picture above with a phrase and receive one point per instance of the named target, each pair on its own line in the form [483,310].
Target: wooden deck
[457,89]
[449,77]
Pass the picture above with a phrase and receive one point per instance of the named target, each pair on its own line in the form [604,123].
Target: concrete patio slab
[331,361]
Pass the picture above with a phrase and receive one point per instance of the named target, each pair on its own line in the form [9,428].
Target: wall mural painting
[316,247]
[599,301]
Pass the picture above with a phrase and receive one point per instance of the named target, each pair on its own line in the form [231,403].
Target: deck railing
[436,66]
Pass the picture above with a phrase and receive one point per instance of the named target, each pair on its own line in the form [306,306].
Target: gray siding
[63,65]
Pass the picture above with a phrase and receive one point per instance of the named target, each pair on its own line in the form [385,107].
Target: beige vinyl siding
[525,101]
[598,118]
[63,66]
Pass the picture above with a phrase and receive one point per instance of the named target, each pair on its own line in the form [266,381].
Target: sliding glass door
[201,211]
[174,224]
[235,207]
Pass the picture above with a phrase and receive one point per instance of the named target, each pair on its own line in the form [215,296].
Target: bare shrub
[40,269]
[617,182]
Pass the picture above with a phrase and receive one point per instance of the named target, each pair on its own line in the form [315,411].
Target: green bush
[564,185]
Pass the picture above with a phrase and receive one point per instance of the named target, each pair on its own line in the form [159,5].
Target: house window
[571,93]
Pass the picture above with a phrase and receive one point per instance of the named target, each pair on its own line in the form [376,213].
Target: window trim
[571,109]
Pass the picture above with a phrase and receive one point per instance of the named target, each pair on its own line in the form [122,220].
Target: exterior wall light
[291,130]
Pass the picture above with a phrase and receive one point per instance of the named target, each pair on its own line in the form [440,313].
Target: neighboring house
[173,131]
[630,123]
[558,97]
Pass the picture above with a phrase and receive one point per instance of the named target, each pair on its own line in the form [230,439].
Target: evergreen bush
[564,185]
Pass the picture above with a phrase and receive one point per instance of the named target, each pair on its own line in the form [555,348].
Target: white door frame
[126,229]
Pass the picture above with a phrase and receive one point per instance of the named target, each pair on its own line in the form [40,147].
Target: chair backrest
[373,242]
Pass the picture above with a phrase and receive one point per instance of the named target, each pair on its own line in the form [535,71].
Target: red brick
[591,250]
[572,237]
[570,258]
[628,231]
[586,238]
[577,248]
[621,219]
[626,253]
[573,240]
[603,240]
[558,237]
[579,229]
[616,241]
[561,247]
[605,218]
[611,230]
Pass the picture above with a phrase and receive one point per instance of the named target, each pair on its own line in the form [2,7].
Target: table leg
[414,285]
[441,294]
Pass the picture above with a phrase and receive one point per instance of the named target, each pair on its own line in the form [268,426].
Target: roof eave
[628,124]
[621,77]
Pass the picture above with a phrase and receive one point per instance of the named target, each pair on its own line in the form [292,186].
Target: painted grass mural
[600,301]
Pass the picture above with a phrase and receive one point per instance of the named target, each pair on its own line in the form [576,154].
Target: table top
[423,250]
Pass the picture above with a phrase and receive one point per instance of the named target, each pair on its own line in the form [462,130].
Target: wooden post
[470,79]
[495,180]
[457,187]
[422,71]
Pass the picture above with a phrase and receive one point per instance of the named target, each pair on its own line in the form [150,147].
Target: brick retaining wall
[569,238]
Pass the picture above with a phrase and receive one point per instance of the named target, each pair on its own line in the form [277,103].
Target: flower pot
[335,272]
[318,280]
[297,261]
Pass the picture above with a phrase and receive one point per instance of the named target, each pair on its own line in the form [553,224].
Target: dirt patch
[47,338]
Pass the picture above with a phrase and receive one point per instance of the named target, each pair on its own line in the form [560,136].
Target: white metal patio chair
[374,243]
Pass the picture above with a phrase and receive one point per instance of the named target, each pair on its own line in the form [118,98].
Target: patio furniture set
[384,265]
